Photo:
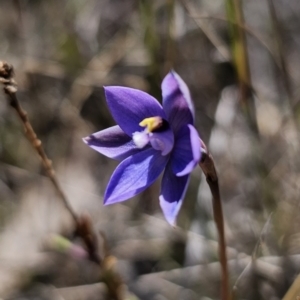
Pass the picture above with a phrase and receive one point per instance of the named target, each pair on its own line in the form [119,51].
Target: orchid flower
[150,138]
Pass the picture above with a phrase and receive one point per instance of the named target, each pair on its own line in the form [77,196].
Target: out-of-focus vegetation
[241,62]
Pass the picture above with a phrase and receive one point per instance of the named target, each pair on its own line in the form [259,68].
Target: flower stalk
[208,167]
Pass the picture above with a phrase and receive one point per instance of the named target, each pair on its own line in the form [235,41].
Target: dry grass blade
[249,30]
[211,34]
[98,68]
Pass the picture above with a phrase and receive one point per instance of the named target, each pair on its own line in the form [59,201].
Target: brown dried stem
[10,89]
[110,275]
[208,167]
[83,224]
[83,228]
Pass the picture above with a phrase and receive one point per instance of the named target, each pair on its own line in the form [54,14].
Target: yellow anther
[152,123]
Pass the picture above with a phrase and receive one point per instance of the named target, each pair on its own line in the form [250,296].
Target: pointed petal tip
[176,77]
[112,89]
[111,199]
[170,218]
[173,72]
[173,190]
[107,201]
[173,223]
[86,140]
[188,169]
[108,88]
[177,101]
[112,142]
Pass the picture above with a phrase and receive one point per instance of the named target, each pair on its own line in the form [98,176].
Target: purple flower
[148,139]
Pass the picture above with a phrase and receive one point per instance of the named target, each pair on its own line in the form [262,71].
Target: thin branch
[10,89]
[277,29]
[208,167]
[210,34]
[83,224]
[254,255]
[249,30]
[83,228]
[286,78]
[267,267]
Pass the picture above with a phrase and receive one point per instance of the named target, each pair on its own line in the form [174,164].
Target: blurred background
[241,62]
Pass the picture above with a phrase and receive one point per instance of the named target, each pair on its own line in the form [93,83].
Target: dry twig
[10,89]
[83,224]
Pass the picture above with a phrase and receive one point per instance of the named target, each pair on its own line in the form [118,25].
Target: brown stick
[83,224]
[10,89]
[208,167]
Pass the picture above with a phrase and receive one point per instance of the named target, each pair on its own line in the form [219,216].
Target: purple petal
[130,106]
[177,102]
[187,151]
[162,141]
[173,190]
[134,174]
[112,142]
